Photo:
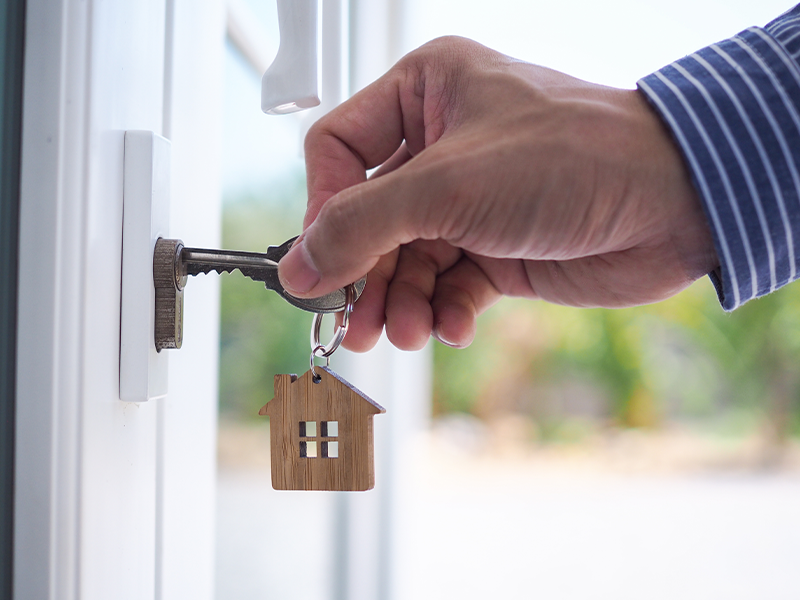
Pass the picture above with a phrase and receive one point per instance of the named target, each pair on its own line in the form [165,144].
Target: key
[263,268]
[173,263]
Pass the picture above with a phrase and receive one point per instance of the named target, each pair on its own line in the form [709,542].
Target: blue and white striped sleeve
[734,111]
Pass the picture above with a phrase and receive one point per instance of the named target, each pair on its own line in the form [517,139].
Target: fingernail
[297,271]
[437,333]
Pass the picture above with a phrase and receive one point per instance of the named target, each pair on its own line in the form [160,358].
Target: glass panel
[264,199]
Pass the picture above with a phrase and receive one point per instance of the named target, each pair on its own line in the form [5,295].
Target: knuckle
[445,53]
[451,45]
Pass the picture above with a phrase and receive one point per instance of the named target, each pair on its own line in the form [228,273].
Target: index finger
[363,133]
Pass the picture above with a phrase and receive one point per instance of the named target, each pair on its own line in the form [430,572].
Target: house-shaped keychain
[321,434]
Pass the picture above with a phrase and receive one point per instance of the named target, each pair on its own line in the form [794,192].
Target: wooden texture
[332,399]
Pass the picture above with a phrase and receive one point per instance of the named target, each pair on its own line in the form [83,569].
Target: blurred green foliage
[261,335]
[680,359]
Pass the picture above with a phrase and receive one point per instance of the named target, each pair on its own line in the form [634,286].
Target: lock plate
[146,195]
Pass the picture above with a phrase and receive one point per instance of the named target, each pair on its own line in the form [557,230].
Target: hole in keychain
[325,351]
[314,376]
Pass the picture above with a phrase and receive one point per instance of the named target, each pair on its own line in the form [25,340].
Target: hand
[496,178]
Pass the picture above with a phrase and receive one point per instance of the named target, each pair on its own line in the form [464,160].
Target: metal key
[173,263]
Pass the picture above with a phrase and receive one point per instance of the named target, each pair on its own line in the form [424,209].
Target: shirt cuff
[734,111]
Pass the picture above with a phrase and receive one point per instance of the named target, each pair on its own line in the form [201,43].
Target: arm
[734,110]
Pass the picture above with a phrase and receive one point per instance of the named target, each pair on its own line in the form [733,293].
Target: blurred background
[648,452]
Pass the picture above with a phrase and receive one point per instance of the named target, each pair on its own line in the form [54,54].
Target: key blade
[253,265]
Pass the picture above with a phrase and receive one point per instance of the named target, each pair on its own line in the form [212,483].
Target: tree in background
[681,359]
[260,334]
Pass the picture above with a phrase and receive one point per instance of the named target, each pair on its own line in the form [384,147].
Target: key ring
[317,349]
[314,375]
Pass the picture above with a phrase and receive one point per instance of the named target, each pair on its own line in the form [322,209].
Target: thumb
[353,230]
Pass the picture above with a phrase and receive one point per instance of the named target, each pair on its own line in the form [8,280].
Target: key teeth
[250,273]
[206,269]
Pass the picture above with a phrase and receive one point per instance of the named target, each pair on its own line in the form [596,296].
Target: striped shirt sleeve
[734,111]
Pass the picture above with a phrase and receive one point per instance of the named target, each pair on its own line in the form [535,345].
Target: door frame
[101,483]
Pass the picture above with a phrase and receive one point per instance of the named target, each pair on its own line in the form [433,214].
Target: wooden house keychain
[320,426]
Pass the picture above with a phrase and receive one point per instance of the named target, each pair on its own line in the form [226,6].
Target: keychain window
[308,449]
[308,429]
[330,449]
[329,429]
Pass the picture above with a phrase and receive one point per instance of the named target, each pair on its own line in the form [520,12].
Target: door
[113,500]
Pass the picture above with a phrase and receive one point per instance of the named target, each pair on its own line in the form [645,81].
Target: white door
[113,500]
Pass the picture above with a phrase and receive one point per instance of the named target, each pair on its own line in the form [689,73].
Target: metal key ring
[313,370]
[317,349]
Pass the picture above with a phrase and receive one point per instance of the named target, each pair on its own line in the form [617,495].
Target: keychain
[321,435]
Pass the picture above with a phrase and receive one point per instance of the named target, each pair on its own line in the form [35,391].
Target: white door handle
[291,82]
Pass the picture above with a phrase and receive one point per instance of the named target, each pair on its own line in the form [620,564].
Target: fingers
[363,223]
[421,192]
[462,293]
[362,220]
[409,316]
[436,291]
[397,160]
[361,134]
[350,221]
[428,288]
[366,321]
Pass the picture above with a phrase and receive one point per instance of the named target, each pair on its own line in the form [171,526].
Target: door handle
[292,81]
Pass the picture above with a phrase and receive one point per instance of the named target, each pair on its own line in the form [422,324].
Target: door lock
[173,263]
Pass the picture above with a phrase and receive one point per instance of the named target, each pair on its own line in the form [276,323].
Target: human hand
[496,177]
